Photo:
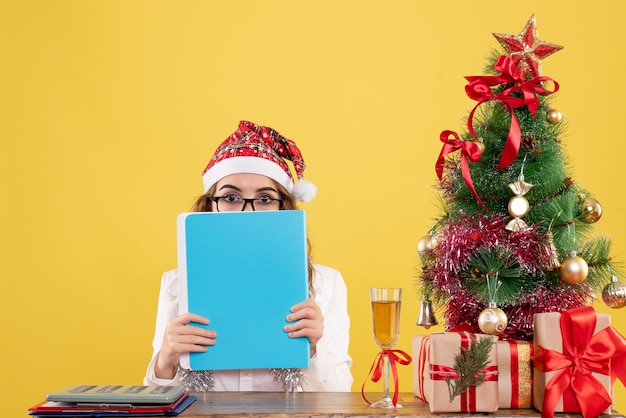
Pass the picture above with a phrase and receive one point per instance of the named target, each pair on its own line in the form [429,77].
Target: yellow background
[109,111]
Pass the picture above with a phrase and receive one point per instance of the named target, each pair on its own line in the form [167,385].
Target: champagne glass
[386,329]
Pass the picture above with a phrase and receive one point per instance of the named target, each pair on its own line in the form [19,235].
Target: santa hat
[259,150]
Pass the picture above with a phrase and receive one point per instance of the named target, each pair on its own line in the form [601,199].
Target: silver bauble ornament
[614,294]
[492,320]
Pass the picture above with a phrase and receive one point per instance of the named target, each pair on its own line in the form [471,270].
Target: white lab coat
[330,366]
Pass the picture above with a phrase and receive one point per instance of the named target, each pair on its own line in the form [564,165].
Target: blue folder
[244,271]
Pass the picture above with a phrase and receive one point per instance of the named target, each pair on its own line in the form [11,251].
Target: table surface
[323,404]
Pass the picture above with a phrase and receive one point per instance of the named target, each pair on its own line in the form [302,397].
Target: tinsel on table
[204,380]
[197,380]
[292,379]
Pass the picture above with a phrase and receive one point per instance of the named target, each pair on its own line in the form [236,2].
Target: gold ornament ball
[614,295]
[518,206]
[425,244]
[481,146]
[574,269]
[591,210]
[554,116]
[492,321]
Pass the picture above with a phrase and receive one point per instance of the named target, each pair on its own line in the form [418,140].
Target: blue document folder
[244,271]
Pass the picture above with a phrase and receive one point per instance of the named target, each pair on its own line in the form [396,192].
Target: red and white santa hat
[259,150]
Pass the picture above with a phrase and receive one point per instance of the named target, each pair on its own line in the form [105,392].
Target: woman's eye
[265,199]
[230,198]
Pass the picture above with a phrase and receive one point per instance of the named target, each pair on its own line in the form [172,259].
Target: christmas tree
[514,236]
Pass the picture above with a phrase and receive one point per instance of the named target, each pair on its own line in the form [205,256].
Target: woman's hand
[307,321]
[180,337]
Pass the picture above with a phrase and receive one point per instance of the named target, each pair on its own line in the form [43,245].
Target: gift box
[515,374]
[437,376]
[573,355]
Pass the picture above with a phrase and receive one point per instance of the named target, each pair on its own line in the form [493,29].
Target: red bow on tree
[479,88]
[469,150]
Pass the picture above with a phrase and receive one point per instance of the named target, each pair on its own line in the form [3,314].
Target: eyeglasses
[234,203]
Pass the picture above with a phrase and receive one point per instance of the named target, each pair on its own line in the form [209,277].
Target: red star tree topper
[526,49]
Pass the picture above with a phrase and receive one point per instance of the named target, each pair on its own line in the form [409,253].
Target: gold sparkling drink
[385,306]
[386,323]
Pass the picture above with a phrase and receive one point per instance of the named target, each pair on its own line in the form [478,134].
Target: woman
[248,172]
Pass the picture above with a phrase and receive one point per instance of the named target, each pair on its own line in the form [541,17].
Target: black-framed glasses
[234,203]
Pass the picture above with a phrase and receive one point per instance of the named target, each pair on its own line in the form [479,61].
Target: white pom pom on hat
[259,150]
[304,191]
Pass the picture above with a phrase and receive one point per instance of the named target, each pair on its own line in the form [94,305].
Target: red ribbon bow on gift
[469,150]
[378,365]
[479,88]
[583,353]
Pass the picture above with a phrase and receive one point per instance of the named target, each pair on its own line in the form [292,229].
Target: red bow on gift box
[583,353]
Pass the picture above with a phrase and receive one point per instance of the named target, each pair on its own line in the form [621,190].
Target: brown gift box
[547,334]
[435,353]
[515,374]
